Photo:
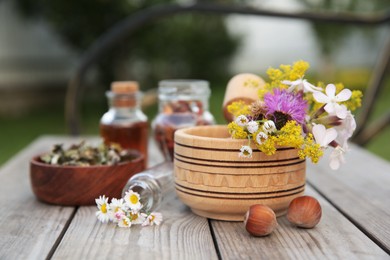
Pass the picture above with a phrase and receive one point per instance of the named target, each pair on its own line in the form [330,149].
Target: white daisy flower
[261,137]
[115,207]
[242,120]
[301,84]
[153,218]
[269,127]
[245,151]
[136,217]
[124,222]
[252,127]
[132,200]
[103,214]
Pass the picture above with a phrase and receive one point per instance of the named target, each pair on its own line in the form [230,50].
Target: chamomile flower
[252,127]
[245,151]
[103,214]
[242,120]
[115,207]
[269,127]
[126,211]
[136,217]
[261,137]
[153,218]
[132,200]
[124,222]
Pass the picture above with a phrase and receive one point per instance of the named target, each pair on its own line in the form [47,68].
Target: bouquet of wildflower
[292,112]
[125,211]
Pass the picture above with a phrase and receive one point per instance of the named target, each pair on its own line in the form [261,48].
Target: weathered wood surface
[360,189]
[333,238]
[182,235]
[30,229]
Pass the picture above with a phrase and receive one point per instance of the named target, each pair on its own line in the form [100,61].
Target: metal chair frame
[132,23]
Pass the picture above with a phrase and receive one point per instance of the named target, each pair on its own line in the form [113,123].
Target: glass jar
[182,103]
[124,123]
[153,185]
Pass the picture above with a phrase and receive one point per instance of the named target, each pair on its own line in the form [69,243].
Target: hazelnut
[304,212]
[260,220]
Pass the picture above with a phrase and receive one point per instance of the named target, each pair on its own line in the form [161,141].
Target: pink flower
[283,106]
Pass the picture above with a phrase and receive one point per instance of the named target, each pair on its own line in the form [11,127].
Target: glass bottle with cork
[124,123]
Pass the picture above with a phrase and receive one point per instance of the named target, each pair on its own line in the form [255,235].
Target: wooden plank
[333,238]
[359,189]
[28,228]
[182,235]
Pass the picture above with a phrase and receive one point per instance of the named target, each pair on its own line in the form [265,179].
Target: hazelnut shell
[260,220]
[304,212]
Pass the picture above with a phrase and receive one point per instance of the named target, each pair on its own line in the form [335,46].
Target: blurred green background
[185,46]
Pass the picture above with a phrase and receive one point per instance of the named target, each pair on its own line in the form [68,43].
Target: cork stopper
[125,93]
[124,87]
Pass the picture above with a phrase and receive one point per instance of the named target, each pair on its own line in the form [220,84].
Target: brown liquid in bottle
[131,136]
[124,123]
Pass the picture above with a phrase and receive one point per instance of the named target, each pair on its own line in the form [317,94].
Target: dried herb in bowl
[86,155]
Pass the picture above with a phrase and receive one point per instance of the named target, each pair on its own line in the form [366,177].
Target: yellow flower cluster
[285,72]
[238,108]
[269,146]
[236,131]
[310,149]
[290,135]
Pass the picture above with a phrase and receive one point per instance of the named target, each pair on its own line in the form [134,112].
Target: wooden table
[355,223]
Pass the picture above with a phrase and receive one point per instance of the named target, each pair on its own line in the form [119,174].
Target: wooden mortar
[216,183]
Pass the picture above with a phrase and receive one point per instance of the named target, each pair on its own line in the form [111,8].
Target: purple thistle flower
[283,106]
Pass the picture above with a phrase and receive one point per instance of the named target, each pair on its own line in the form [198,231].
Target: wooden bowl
[216,183]
[80,185]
